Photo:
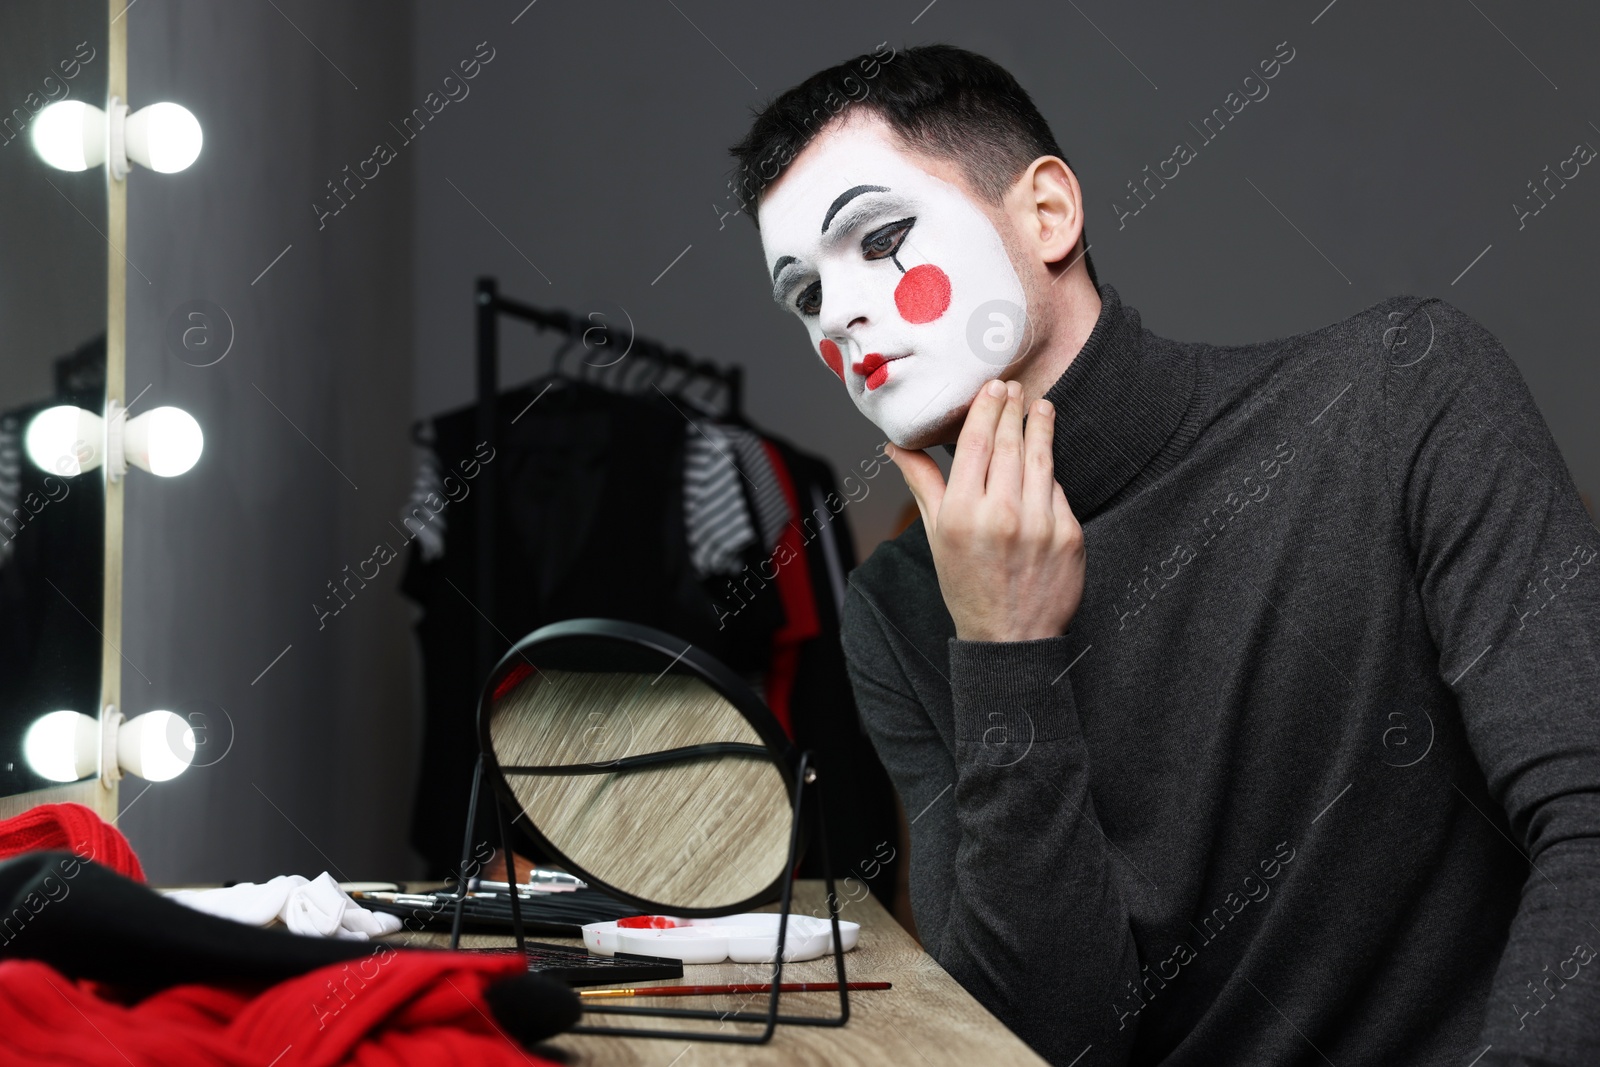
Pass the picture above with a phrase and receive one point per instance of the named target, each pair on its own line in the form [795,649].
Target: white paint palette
[747,938]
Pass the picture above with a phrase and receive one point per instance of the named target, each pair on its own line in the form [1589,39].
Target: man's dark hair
[945,101]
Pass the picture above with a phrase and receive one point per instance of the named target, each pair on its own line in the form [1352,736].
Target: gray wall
[589,155]
[223,564]
[1395,140]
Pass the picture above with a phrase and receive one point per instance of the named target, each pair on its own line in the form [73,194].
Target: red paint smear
[513,678]
[832,357]
[646,922]
[923,293]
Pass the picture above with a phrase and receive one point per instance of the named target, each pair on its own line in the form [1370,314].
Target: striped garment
[726,469]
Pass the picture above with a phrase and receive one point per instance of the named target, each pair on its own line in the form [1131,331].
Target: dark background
[588,156]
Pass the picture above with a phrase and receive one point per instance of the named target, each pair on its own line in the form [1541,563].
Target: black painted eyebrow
[847,196]
[779,287]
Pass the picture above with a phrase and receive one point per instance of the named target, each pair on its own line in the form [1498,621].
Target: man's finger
[1039,465]
[1005,468]
[925,480]
[970,468]
[1062,510]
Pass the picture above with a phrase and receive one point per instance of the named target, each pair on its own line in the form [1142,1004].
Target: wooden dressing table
[926,1020]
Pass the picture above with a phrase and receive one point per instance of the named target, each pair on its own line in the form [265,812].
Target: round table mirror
[643,765]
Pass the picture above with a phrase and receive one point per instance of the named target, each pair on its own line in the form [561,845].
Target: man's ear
[1048,204]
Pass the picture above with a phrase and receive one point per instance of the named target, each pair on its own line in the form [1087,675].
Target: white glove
[314,907]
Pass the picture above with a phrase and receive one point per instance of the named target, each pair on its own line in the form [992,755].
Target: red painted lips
[874,366]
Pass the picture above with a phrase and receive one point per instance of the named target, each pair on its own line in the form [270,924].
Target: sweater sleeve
[1011,882]
[1508,567]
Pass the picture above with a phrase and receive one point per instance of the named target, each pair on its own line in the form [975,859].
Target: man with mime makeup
[1244,701]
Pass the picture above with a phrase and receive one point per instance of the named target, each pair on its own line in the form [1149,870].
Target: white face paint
[903,283]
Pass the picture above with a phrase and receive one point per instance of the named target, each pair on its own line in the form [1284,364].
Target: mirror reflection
[52,349]
[652,783]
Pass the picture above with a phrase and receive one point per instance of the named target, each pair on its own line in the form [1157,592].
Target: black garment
[589,523]
[857,799]
[87,921]
[1335,678]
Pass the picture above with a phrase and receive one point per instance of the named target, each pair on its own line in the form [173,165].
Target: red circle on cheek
[923,293]
[831,356]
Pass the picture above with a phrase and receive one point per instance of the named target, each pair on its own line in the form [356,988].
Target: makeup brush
[716,990]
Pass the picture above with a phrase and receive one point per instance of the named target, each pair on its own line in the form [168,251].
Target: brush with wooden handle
[716,990]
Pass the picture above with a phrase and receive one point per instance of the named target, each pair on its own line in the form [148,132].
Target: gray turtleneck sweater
[1313,777]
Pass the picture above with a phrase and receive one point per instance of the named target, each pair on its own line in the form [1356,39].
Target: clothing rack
[491,305]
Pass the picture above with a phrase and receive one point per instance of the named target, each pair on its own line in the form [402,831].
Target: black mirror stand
[805,784]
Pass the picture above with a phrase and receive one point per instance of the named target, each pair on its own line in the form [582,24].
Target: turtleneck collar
[1127,407]
[1120,407]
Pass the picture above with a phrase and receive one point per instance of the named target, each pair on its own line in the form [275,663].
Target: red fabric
[72,827]
[794,590]
[399,1009]
[391,1009]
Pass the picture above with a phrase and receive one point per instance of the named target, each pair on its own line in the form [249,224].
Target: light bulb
[63,746]
[164,137]
[165,441]
[65,440]
[155,746]
[70,135]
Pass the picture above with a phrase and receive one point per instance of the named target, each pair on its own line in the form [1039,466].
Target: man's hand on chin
[1007,548]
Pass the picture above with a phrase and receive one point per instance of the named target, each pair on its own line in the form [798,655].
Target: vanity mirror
[53,352]
[67,436]
[647,768]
